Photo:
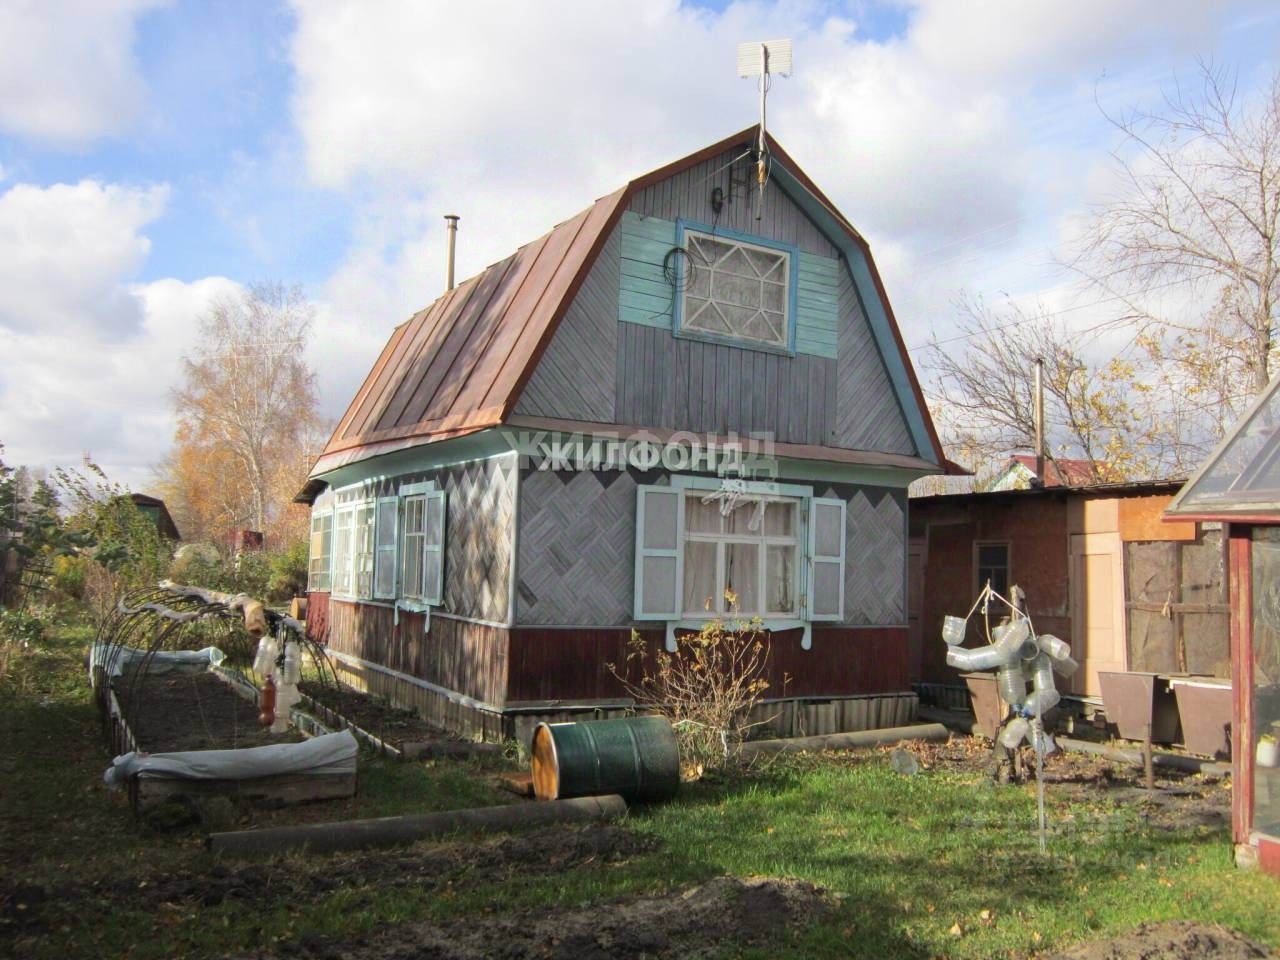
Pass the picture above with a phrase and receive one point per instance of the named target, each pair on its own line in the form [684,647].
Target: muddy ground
[191,712]
[1180,800]
[1174,940]
[30,909]
[696,922]
[373,714]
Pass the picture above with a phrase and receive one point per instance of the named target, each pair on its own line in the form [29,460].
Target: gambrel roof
[460,365]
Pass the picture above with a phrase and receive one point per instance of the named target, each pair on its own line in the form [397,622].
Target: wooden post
[1148,766]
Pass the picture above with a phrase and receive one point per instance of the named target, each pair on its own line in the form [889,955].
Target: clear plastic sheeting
[333,753]
[116,660]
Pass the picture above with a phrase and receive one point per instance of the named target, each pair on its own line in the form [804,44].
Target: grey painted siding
[688,195]
[479,532]
[576,563]
[680,384]
[575,379]
[657,380]
[868,415]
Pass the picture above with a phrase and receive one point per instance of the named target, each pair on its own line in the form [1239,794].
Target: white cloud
[950,146]
[65,251]
[67,71]
[64,392]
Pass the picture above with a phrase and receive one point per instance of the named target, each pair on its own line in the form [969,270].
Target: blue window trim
[793,268]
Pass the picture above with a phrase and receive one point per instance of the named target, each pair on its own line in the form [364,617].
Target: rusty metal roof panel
[457,365]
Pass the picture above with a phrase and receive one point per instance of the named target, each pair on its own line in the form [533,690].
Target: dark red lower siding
[501,665]
[318,617]
[559,664]
[468,658]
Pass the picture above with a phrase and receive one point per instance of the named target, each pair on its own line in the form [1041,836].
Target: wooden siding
[468,658]
[868,415]
[318,617]
[577,549]
[551,664]
[479,532]
[646,294]
[680,384]
[575,379]
[687,195]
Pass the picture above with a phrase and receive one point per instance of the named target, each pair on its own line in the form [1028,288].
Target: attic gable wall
[834,391]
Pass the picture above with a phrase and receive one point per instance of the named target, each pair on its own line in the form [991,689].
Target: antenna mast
[763,59]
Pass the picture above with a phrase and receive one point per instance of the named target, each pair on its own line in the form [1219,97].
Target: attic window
[735,289]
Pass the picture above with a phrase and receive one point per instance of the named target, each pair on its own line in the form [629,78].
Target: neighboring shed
[155,510]
[1099,569]
[1239,487]
[542,460]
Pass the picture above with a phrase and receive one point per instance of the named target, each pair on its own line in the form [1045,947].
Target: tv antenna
[763,59]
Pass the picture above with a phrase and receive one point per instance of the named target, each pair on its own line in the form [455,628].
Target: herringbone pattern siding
[577,548]
[576,563]
[875,559]
[481,504]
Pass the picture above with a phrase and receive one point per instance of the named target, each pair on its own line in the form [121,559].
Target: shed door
[1097,608]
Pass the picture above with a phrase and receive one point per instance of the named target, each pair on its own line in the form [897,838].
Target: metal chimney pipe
[1039,418]
[451,224]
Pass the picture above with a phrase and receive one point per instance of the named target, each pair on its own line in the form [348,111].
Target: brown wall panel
[551,664]
[468,658]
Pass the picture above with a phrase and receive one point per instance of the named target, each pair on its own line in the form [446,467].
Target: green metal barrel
[636,757]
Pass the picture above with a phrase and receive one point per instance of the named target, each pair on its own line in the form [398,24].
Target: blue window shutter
[659,567]
[433,548]
[385,526]
[826,559]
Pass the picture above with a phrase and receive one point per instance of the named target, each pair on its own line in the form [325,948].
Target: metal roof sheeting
[459,365]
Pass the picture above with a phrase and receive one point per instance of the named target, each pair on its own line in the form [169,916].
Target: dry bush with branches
[707,688]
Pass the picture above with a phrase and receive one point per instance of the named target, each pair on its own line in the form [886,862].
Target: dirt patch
[192,712]
[696,922]
[1172,940]
[26,906]
[373,714]
[1180,800]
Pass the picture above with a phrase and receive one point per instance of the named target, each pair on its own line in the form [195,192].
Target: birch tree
[982,395]
[1198,216]
[247,412]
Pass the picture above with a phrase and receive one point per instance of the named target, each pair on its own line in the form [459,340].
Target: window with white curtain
[343,523]
[741,562]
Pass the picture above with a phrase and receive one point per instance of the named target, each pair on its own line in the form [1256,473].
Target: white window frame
[320,567]
[421,597]
[762,542]
[677,619]
[787,253]
[386,553]
[342,571]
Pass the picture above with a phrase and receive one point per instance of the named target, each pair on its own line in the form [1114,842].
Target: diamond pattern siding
[481,503]
[875,559]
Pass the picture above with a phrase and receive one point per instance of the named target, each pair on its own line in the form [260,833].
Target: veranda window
[362,538]
[422,549]
[343,522]
[318,578]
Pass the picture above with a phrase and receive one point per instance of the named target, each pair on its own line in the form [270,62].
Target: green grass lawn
[939,864]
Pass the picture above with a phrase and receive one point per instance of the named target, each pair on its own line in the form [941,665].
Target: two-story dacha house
[535,466]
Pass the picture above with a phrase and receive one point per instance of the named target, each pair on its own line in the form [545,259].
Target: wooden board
[146,792]
[521,784]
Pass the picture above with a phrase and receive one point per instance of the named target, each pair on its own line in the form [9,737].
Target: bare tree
[983,394]
[1201,208]
[247,410]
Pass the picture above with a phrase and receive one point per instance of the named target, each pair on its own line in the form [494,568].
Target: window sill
[697,623]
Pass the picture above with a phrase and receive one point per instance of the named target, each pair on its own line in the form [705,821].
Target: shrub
[707,688]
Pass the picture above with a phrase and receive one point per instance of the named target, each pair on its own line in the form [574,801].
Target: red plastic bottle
[267,716]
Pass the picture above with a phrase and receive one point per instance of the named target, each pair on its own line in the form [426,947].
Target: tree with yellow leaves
[248,424]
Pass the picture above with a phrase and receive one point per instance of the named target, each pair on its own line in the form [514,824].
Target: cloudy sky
[154,155]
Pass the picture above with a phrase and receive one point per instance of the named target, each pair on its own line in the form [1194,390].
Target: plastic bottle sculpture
[280,680]
[1014,653]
